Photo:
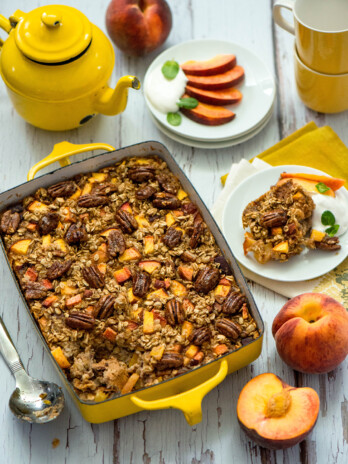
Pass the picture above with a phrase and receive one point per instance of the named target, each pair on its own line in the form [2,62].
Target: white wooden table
[164,437]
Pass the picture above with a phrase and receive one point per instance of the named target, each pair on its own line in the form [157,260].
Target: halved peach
[274,414]
[217,65]
[31,274]
[66,289]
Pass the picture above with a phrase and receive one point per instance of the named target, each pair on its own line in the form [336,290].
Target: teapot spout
[114,101]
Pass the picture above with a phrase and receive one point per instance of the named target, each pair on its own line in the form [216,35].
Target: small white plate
[258,89]
[211,145]
[307,265]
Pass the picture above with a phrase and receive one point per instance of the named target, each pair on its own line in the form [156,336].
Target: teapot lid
[52,33]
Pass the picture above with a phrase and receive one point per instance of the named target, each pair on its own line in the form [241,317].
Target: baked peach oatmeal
[124,278]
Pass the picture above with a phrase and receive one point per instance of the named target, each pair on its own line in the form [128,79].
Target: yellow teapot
[56,65]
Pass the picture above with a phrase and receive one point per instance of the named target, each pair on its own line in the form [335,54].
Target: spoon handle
[8,351]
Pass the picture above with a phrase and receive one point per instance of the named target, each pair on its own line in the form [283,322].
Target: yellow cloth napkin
[319,148]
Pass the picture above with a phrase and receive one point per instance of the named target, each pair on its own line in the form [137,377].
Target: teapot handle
[6,26]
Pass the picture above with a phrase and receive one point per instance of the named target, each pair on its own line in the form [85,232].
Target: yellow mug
[325,93]
[321,32]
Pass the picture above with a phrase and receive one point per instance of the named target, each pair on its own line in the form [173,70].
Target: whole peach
[138,27]
[311,333]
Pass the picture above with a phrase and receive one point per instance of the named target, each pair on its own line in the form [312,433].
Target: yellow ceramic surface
[184,392]
[325,93]
[321,32]
[57,65]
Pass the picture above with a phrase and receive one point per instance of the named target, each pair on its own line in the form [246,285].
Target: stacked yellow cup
[321,51]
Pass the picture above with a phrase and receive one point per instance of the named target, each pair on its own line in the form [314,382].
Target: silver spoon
[34,401]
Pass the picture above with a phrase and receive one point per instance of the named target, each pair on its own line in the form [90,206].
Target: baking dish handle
[189,402]
[62,151]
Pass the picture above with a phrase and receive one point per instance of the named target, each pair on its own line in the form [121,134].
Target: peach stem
[278,404]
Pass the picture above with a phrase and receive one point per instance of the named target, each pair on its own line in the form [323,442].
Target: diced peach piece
[68,215]
[47,284]
[32,226]
[181,194]
[282,247]
[249,241]
[157,352]
[121,275]
[76,194]
[142,161]
[245,312]
[31,274]
[297,196]
[276,230]
[87,188]
[114,180]
[129,385]
[178,288]
[101,255]
[158,294]
[46,240]
[131,297]
[161,319]
[177,213]
[136,314]
[60,357]
[317,236]
[49,300]
[131,254]
[102,268]
[332,182]
[42,322]
[187,361]
[191,351]
[36,206]
[66,289]
[170,219]
[110,334]
[180,230]
[222,291]
[187,329]
[21,247]
[149,245]
[185,272]
[127,207]
[61,245]
[98,177]
[74,300]
[187,305]
[177,348]
[148,324]
[149,266]
[142,221]
[220,349]
[90,310]
[106,232]
[60,226]
[199,357]
[133,360]
[100,396]
[224,282]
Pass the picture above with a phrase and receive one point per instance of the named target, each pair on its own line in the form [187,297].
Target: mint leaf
[331,231]
[321,187]
[170,69]
[174,119]
[188,102]
[328,219]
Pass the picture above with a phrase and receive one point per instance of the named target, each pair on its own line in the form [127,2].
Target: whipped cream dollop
[164,93]
[338,206]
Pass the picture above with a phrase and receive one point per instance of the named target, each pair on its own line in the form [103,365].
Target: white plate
[210,145]
[258,90]
[309,264]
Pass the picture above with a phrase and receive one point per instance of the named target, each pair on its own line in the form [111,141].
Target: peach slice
[217,65]
[149,266]
[219,81]
[21,247]
[209,115]
[121,275]
[215,97]
[60,357]
[87,188]
[308,185]
[332,182]
[130,384]
[76,194]
[149,247]
[131,254]
[311,333]
[98,177]
[274,414]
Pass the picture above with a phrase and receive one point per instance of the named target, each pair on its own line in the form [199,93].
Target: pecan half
[141,173]
[47,223]
[166,201]
[174,313]
[225,268]
[189,208]
[141,284]
[188,257]
[76,233]
[328,244]
[105,306]
[91,200]
[198,227]
[93,277]
[127,221]
[172,237]
[200,336]
[145,192]
[35,291]
[233,303]
[62,189]
[106,188]
[228,328]
[10,222]
[169,183]
[58,268]
[274,218]
[80,320]
[207,279]
[116,243]
[170,361]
